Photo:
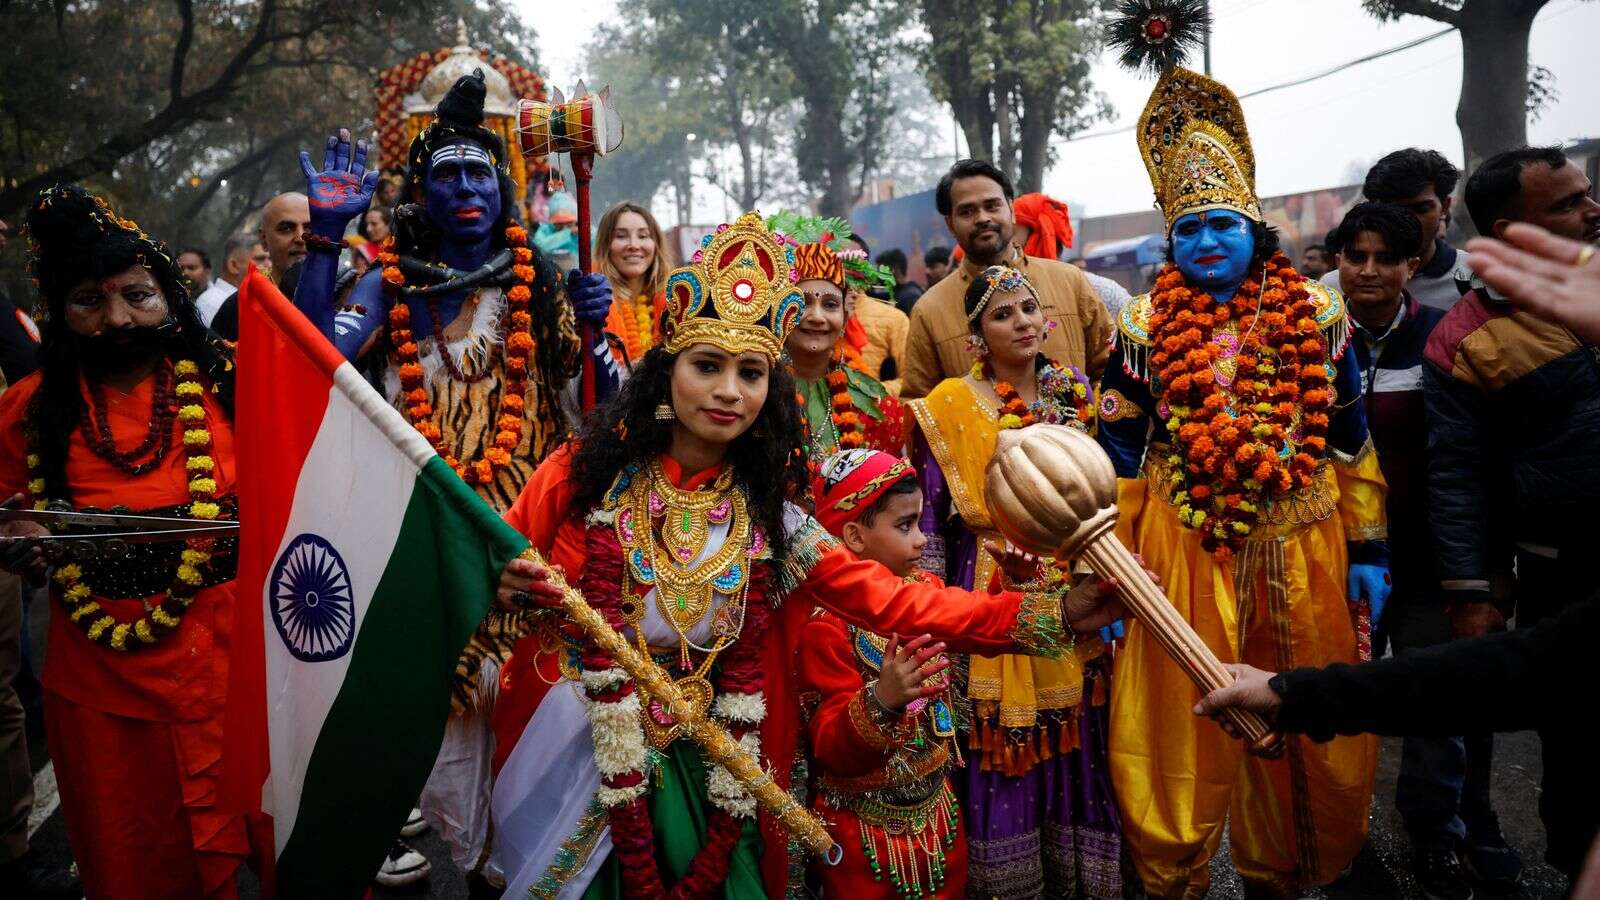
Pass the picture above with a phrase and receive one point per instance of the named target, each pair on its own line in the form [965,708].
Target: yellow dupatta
[1020,703]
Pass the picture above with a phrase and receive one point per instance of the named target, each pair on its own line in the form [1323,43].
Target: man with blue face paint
[1247,481]
[466,327]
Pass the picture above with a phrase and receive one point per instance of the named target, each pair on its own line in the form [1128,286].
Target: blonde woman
[634,259]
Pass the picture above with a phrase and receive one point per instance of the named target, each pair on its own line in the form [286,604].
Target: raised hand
[905,668]
[343,189]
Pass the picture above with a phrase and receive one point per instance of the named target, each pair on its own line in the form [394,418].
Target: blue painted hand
[590,295]
[1213,250]
[343,188]
[1373,583]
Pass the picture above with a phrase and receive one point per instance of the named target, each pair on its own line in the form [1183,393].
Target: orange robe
[136,736]
[829,576]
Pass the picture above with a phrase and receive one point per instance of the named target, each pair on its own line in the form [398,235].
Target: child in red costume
[882,731]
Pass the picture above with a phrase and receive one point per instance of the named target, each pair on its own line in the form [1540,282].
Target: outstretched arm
[339,192]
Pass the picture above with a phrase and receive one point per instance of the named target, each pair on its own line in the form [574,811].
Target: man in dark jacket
[1443,789]
[1513,408]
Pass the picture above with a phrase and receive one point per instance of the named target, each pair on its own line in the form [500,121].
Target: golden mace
[711,737]
[1052,491]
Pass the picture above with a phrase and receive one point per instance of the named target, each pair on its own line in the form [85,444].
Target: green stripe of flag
[382,734]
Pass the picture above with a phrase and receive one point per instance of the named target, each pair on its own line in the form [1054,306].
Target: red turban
[851,480]
[1047,219]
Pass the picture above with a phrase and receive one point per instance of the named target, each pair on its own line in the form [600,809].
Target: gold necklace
[685,585]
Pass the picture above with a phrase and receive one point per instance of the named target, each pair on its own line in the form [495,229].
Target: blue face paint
[1213,249]
[463,195]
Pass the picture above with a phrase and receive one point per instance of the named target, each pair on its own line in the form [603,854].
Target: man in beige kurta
[976,203]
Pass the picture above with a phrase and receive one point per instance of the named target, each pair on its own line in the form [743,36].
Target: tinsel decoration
[1157,35]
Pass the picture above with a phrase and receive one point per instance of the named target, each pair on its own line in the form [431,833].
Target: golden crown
[1196,147]
[739,292]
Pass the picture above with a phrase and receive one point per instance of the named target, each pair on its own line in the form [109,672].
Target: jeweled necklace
[685,584]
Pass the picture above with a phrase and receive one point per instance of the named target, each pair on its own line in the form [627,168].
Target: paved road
[1382,870]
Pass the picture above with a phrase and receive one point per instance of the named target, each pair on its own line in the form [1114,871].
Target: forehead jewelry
[1004,282]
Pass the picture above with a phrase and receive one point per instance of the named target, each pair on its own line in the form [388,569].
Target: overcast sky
[1310,136]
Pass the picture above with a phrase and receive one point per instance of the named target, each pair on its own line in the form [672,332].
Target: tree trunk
[1492,111]
[1005,113]
[1037,126]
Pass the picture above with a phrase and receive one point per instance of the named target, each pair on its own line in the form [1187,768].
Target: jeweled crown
[1196,148]
[737,294]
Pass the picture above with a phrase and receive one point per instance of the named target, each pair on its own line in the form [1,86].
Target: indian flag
[364,566]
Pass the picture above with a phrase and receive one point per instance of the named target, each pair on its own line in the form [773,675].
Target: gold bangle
[1585,253]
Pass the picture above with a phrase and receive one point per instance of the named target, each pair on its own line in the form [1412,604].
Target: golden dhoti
[1296,821]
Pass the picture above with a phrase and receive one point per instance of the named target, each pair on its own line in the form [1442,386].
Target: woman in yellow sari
[1037,791]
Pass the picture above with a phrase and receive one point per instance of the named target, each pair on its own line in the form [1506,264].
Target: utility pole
[1205,43]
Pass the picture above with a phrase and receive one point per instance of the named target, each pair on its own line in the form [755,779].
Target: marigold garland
[518,349]
[848,424]
[1239,446]
[194,563]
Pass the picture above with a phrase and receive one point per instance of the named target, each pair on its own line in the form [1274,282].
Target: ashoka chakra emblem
[311,600]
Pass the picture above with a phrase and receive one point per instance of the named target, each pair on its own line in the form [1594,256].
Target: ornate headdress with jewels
[738,294]
[1192,134]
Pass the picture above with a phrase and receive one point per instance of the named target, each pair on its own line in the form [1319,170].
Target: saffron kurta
[1279,604]
[136,736]
[1036,791]
[818,573]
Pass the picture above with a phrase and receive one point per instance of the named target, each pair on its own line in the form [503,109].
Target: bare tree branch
[180,51]
[179,112]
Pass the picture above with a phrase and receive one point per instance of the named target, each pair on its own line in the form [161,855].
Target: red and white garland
[621,754]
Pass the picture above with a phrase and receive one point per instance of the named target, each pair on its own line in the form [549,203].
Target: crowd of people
[1351,477]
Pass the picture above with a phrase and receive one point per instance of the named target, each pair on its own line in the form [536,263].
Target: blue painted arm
[337,193]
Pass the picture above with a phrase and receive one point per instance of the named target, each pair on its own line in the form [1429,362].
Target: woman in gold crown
[672,513]
[1248,482]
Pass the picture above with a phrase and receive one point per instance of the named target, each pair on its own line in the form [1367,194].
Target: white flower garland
[619,745]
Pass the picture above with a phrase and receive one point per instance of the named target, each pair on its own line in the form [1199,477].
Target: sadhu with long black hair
[132,408]
[673,513]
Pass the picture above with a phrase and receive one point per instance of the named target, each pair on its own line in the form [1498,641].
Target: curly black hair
[768,460]
[75,235]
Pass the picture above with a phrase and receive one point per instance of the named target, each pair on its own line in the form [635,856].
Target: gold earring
[664,412]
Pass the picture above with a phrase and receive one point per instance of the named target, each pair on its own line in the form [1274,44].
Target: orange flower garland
[846,418]
[1235,445]
[519,345]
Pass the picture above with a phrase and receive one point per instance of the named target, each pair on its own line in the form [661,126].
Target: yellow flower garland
[194,564]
